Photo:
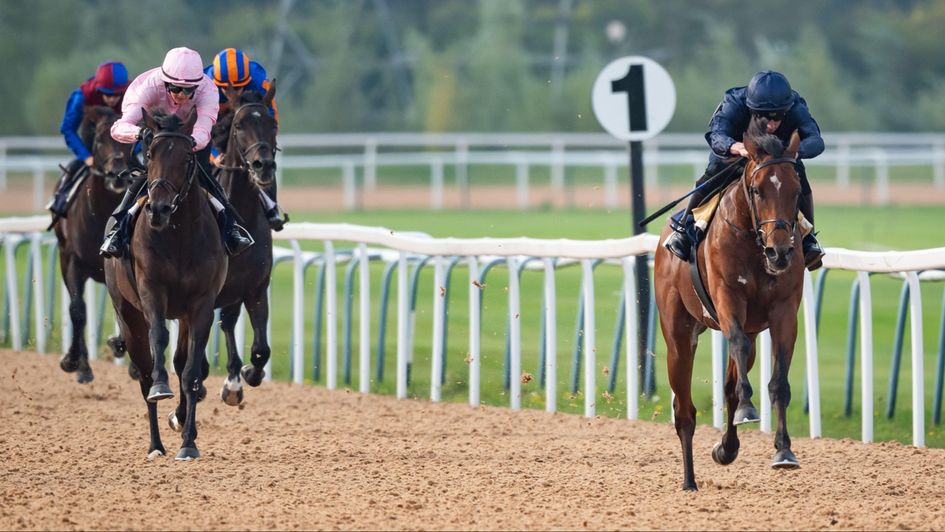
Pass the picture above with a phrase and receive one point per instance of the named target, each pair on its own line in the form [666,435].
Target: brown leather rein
[179,194]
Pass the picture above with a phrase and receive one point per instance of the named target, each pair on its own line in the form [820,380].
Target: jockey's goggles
[772,115]
[176,89]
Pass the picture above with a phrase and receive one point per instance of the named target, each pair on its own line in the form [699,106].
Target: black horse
[174,270]
[247,139]
[80,234]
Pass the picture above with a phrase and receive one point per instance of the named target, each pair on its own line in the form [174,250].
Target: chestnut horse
[248,136]
[754,277]
[174,270]
[80,234]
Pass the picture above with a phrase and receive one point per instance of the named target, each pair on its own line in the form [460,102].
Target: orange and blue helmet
[231,67]
[111,78]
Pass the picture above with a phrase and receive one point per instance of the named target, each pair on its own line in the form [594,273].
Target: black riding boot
[116,229]
[59,204]
[276,217]
[679,243]
[236,239]
[813,253]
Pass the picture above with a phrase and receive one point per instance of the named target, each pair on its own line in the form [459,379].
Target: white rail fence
[349,153]
[399,248]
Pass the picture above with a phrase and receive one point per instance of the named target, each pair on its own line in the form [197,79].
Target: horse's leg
[232,391]
[741,350]
[681,332]
[77,357]
[259,317]
[158,339]
[725,452]
[176,417]
[134,329]
[783,337]
[193,375]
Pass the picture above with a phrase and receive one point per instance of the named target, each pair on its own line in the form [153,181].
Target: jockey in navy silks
[768,95]
[106,88]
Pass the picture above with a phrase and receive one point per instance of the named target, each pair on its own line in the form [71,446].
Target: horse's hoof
[172,421]
[133,372]
[232,397]
[157,453]
[84,376]
[252,376]
[158,391]
[719,455]
[68,364]
[117,345]
[686,486]
[746,414]
[186,454]
[785,459]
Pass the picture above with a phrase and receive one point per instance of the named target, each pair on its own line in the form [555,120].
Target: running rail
[403,248]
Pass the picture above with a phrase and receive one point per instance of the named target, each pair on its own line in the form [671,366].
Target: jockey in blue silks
[233,68]
[106,88]
[768,95]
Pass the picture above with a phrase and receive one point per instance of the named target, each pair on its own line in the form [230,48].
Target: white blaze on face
[742,280]
[776,181]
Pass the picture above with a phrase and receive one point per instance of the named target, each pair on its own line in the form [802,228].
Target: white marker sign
[633,98]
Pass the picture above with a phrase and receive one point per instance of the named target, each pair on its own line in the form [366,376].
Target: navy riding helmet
[769,91]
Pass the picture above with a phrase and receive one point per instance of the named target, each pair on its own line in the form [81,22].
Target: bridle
[179,194]
[243,162]
[758,225]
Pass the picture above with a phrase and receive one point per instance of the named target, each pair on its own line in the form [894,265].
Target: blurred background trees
[492,65]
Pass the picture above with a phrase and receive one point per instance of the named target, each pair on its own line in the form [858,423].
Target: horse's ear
[148,120]
[751,147]
[794,144]
[270,93]
[92,113]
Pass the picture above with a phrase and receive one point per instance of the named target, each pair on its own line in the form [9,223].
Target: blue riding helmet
[769,91]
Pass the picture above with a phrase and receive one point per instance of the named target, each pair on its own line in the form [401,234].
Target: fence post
[938,165]
[331,316]
[515,336]
[765,375]
[521,184]
[12,291]
[370,163]
[39,312]
[91,323]
[439,291]
[551,338]
[882,177]
[364,365]
[38,192]
[918,365]
[718,379]
[557,166]
[810,341]
[866,353]
[403,322]
[462,171]
[298,313]
[436,184]
[3,166]
[843,164]
[475,293]
[350,186]
[632,332]
[610,185]
[590,343]
[65,321]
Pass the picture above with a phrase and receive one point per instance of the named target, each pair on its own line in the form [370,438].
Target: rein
[181,194]
[756,224]
[244,154]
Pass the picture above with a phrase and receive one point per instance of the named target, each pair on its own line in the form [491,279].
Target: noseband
[758,225]
[160,182]
[245,153]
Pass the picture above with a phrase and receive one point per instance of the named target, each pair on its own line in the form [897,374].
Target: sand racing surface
[302,457]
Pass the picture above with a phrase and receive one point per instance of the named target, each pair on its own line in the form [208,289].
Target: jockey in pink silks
[176,87]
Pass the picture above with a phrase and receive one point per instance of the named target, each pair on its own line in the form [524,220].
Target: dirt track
[74,457]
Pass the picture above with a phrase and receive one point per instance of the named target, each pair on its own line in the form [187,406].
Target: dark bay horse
[248,145]
[80,233]
[174,270]
[754,278]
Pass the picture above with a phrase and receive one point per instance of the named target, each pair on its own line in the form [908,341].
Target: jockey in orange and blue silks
[106,88]
[233,68]
[178,86]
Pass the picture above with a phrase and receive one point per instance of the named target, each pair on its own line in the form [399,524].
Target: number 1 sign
[633,98]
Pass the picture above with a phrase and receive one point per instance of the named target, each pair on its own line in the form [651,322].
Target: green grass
[865,228]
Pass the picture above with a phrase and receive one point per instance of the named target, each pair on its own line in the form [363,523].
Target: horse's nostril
[770,253]
[257,165]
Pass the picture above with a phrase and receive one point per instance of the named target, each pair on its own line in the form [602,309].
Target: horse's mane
[167,121]
[769,144]
[221,130]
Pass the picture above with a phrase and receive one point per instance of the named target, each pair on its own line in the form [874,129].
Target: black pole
[638,212]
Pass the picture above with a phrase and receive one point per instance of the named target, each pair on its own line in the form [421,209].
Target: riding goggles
[772,115]
[178,89]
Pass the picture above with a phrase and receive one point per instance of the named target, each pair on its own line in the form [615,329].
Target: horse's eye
[755,190]
[148,155]
[237,126]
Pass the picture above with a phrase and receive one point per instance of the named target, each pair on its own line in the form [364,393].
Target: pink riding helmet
[182,66]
